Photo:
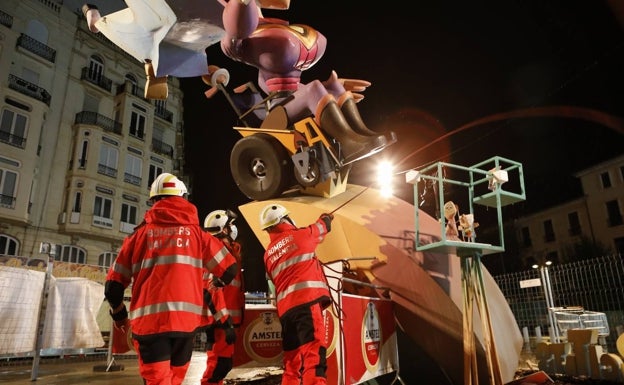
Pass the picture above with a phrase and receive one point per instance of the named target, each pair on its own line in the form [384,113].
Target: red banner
[369,337]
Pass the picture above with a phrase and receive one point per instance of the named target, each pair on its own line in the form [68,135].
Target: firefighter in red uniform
[223,333]
[164,259]
[302,293]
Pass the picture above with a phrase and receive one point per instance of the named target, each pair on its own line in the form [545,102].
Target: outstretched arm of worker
[327,219]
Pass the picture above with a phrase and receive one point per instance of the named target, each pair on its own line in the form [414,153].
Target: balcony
[102,222]
[36,47]
[126,227]
[29,89]
[162,148]
[13,140]
[96,78]
[6,19]
[108,171]
[130,88]
[95,119]
[132,179]
[7,201]
[164,114]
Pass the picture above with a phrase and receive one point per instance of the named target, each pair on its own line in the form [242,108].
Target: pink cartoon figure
[281,51]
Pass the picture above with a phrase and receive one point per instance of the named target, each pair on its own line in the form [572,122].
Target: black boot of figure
[353,146]
[351,113]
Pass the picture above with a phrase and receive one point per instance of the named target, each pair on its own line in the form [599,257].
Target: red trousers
[164,360]
[220,357]
[305,348]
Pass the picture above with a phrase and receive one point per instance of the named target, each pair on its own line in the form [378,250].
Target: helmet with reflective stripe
[218,220]
[167,184]
[272,215]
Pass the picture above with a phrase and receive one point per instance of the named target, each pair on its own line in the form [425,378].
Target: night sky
[436,67]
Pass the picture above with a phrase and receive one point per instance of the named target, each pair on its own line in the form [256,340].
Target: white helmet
[167,184]
[272,215]
[218,220]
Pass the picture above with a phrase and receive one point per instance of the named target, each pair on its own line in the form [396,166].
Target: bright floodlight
[385,172]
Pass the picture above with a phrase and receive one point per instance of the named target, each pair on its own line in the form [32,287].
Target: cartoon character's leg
[92,14]
[155,88]
[347,102]
[354,146]
[351,113]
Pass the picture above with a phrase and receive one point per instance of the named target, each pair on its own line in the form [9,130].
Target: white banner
[70,323]
[20,300]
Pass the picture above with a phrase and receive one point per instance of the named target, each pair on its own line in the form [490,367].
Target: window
[37,30]
[154,171]
[137,125]
[30,76]
[160,106]
[605,179]
[71,253]
[622,172]
[106,259]
[82,158]
[103,207]
[91,103]
[96,68]
[108,160]
[8,245]
[8,185]
[13,128]
[134,90]
[526,237]
[77,202]
[549,232]
[574,223]
[614,216]
[134,166]
[128,218]
[129,213]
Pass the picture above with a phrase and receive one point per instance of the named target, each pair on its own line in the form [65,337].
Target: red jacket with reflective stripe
[164,259]
[291,263]
[216,310]
[234,292]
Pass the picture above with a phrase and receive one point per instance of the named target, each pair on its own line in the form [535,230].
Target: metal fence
[595,285]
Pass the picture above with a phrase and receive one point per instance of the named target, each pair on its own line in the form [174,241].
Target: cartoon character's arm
[355,86]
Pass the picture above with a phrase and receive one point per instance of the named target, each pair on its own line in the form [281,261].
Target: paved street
[56,372]
[93,371]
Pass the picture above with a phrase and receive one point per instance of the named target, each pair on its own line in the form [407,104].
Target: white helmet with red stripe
[167,184]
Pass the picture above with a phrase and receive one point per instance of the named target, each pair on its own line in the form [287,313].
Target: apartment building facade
[596,217]
[79,144]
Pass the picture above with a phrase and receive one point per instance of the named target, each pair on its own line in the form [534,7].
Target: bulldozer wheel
[312,177]
[260,166]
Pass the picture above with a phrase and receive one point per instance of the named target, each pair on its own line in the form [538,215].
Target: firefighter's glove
[120,317]
[230,332]
[216,283]
[327,218]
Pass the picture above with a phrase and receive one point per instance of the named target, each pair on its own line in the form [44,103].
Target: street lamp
[553,331]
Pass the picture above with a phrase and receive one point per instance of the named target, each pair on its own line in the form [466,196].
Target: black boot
[351,113]
[353,146]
